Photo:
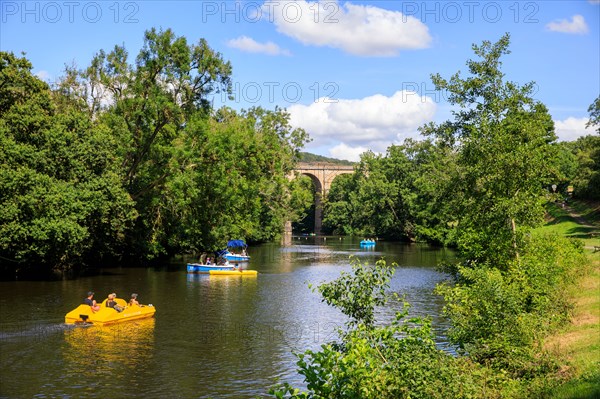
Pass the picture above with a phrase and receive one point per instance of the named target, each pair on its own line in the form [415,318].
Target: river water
[212,337]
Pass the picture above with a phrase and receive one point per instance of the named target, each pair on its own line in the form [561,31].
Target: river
[212,337]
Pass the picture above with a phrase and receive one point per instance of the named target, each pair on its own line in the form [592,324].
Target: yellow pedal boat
[233,272]
[105,316]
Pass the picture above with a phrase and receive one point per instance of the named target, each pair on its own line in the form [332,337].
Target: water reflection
[97,350]
[219,337]
[124,343]
[105,360]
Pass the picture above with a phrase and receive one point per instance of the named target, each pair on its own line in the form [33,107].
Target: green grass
[578,344]
[559,221]
[580,389]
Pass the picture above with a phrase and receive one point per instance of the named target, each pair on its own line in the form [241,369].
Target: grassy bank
[577,345]
[578,219]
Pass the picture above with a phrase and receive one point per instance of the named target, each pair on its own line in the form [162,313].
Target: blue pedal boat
[235,252]
[205,269]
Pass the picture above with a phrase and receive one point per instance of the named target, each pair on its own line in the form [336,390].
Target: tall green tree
[338,208]
[61,201]
[509,290]
[594,110]
[130,159]
[236,182]
[147,107]
[584,174]
[502,136]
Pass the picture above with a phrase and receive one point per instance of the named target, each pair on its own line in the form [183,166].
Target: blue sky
[355,75]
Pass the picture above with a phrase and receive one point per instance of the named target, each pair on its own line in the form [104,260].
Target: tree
[380,359]
[401,195]
[585,174]
[338,207]
[238,171]
[148,106]
[509,290]
[123,160]
[60,193]
[594,110]
[503,139]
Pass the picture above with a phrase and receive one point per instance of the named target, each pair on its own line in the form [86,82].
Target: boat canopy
[236,244]
[221,252]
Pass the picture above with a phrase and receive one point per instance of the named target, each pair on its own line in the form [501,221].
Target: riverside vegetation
[487,173]
[127,160]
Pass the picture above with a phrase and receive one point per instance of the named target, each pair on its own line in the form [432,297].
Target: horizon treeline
[126,160]
[417,190]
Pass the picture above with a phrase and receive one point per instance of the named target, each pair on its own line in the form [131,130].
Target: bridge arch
[322,175]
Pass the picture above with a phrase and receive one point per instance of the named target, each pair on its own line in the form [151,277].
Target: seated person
[111,303]
[91,301]
[133,301]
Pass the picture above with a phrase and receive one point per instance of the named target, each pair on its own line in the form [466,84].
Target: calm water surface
[219,337]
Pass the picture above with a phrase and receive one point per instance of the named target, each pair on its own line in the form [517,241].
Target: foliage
[503,138]
[498,320]
[339,207]
[126,159]
[594,110]
[485,176]
[238,185]
[308,157]
[374,360]
[356,295]
[199,177]
[499,316]
[148,106]
[585,175]
[61,201]
[400,195]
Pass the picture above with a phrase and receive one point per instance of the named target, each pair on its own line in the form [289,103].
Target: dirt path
[578,218]
[594,229]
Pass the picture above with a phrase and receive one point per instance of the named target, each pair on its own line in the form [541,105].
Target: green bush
[499,314]
[398,360]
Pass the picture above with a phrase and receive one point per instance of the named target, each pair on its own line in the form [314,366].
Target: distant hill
[308,157]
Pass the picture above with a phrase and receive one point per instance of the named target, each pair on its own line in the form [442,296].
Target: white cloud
[373,122]
[576,25]
[250,45]
[571,128]
[43,75]
[356,29]
[344,151]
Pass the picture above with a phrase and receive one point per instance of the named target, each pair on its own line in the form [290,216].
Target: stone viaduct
[322,175]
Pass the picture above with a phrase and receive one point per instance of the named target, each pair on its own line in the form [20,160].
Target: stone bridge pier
[322,175]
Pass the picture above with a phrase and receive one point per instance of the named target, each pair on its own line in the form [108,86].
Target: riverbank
[577,344]
[577,219]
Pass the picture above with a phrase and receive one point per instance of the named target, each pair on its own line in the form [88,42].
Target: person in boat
[202,258]
[208,261]
[111,303]
[133,301]
[91,301]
